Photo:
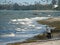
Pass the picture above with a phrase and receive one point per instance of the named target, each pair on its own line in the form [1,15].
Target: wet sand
[44,42]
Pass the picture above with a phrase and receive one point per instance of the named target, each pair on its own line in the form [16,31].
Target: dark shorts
[48,35]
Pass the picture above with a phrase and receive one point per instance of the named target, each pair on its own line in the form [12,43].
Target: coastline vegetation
[27,6]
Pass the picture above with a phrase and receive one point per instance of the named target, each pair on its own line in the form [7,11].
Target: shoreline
[47,10]
[35,10]
[36,38]
[52,22]
[40,42]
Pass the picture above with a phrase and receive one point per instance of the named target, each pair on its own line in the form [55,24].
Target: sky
[29,1]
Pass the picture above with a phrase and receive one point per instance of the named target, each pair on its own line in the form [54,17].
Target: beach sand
[46,42]
[53,22]
[56,42]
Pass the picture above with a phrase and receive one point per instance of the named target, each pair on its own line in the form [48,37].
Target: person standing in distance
[48,31]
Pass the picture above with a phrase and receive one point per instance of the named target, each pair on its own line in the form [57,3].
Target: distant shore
[47,10]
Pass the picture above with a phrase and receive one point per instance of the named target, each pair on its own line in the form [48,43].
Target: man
[48,30]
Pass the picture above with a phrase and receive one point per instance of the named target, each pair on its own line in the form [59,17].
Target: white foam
[33,25]
[49,15]
[24,35]
[38,27]
[8,35]
[22,23]
[23,30]
[18,29]
[28,23]
[14,20]
[30,19]
[27,19]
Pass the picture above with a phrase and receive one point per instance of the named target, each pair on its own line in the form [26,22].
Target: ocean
[19,25]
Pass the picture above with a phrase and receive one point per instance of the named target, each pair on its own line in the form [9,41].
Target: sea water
[17,26]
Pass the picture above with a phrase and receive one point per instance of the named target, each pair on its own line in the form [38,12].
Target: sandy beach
[44,42]
[56,42]
[53,22]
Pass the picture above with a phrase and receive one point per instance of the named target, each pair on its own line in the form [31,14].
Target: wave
[21,29]
[8,35]
[23,26]
[27,23]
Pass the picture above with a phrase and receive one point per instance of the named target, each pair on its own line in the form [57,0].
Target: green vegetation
[24,7]
[36,6]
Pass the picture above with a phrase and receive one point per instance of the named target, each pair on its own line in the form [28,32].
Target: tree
[16,6]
